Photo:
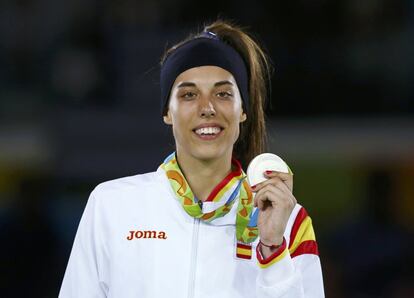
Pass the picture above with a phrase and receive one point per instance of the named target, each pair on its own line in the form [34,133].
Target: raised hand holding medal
[271,181]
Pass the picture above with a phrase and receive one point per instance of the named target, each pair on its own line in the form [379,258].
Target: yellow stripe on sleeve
[305,232]
[275,260]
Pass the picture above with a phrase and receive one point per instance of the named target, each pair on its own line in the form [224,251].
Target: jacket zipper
[193,261]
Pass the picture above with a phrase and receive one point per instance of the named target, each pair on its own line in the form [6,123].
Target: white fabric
[196,260]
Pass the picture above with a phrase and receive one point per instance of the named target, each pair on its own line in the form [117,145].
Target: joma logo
[146,234]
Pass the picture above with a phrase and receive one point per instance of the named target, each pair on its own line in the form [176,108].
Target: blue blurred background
[79,104]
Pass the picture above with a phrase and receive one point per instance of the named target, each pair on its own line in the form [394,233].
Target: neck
[203,175]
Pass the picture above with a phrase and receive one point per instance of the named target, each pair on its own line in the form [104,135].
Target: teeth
[208,131]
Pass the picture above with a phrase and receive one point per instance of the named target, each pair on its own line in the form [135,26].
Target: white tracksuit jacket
[136,240]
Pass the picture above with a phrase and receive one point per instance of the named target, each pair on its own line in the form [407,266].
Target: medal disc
[262,163]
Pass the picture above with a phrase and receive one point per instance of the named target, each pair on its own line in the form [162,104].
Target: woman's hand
[275,201]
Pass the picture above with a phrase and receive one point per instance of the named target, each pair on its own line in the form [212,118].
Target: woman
[187,229]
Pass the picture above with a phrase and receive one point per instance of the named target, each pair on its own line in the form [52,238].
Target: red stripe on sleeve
[302,214]
[277,253]
[306,247]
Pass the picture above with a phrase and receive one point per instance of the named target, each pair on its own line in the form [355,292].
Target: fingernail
[269,172]
[253,187]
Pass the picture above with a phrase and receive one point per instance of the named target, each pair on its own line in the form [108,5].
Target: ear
[167,118]
[243,117]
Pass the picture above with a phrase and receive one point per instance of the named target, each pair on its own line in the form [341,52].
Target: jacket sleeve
[82,278]
[294,270]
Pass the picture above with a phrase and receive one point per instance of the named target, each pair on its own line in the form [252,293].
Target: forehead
[204,75]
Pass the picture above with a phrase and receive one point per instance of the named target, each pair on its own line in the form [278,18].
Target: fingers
[276,180]
[262,196]
[276,190]
[270,194]
[287,178]
[283,176]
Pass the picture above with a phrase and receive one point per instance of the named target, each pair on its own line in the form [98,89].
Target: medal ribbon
[220,201]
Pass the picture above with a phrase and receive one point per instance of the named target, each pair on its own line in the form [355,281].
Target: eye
[225,94]
[188,95]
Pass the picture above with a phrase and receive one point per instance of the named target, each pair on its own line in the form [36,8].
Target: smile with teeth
[208,130]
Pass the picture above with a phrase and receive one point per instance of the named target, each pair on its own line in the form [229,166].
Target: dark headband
[207,49]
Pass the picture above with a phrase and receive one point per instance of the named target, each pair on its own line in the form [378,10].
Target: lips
[208,131]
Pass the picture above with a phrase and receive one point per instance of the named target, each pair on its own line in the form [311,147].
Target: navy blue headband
[207,49]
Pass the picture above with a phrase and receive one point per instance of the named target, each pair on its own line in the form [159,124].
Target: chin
[205,153]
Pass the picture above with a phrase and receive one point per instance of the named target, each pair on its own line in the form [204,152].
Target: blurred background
[79,104]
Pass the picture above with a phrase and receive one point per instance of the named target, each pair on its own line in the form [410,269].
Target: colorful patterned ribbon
[220,201]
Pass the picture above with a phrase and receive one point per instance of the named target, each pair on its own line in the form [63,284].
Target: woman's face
[205,112]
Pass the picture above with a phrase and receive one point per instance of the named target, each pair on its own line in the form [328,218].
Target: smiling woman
[205,112]
[213,87]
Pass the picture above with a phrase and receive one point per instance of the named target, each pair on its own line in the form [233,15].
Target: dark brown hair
[253,139]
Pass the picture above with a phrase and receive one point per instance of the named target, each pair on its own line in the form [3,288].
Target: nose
[207,108]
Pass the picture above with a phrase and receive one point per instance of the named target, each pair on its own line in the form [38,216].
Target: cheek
[235,127]
[180,123]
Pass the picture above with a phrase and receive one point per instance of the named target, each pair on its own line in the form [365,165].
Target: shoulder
[126,182]
[126,200]
[140,183]
[298,216]
[299,233]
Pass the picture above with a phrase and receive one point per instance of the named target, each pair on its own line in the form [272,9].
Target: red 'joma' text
[146,235]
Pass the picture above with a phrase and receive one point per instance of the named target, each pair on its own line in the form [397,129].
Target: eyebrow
[190,84]
[186,84]
[221,83]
